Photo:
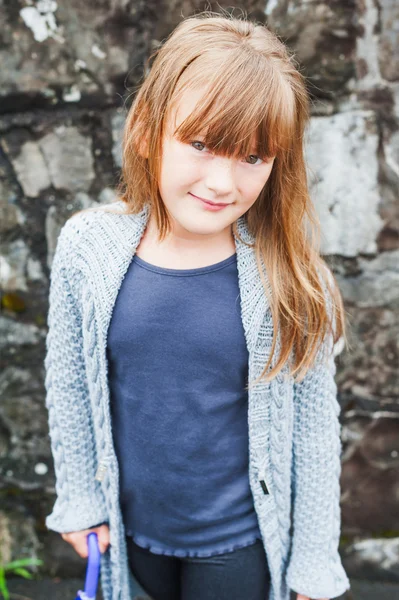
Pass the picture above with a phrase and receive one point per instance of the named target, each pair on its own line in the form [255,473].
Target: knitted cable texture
[69,430]
[294,431]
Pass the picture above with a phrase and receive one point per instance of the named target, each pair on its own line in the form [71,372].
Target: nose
[220,175]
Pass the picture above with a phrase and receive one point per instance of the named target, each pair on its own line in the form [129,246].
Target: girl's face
[190,171]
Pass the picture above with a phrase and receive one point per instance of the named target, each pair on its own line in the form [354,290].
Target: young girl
[192,326]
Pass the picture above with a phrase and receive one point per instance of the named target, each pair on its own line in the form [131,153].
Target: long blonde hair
[253,86]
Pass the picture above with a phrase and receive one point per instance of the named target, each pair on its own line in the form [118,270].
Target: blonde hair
[252,87]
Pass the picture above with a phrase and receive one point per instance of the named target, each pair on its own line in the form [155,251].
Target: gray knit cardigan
[294,429]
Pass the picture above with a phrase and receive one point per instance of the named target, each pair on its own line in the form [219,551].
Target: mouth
[210,202]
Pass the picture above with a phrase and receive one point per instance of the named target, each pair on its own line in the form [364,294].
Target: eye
[254,156]
[197,142]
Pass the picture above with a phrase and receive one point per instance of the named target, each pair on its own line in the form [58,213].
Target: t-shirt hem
[186,553]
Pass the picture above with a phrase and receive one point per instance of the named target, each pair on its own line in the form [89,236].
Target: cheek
[253,188]
[263,178]
[178,174]
[184,168]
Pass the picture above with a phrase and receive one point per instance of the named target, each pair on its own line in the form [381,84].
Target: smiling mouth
[210,202]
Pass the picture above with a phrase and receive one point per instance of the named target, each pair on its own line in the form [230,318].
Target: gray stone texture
[68,70]
[338,148]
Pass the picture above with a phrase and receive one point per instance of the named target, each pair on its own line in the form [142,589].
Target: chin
[200,230]
[202,224]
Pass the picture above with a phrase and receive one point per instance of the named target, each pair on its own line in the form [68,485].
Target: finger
[79,544]
[103,538]
[302,597]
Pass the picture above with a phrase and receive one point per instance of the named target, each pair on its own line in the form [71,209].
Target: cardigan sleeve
[80,502]
[315,568]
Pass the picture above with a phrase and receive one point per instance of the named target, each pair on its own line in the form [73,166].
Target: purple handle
[93,566]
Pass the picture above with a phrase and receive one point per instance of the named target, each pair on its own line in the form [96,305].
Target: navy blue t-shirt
[178,364]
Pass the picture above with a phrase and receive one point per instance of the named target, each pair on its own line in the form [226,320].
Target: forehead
[184,105]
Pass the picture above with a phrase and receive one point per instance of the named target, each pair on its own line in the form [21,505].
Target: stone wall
[67,71]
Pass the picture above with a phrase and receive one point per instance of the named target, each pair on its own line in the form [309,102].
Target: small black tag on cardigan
[264,486]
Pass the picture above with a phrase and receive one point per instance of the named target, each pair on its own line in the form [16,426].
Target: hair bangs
[235,120]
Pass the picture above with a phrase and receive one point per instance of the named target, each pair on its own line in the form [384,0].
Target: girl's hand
[78,539]
[302,597]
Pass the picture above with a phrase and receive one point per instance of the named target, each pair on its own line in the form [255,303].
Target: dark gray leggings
[243,573]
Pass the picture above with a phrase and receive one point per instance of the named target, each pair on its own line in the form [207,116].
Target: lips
[210,202]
